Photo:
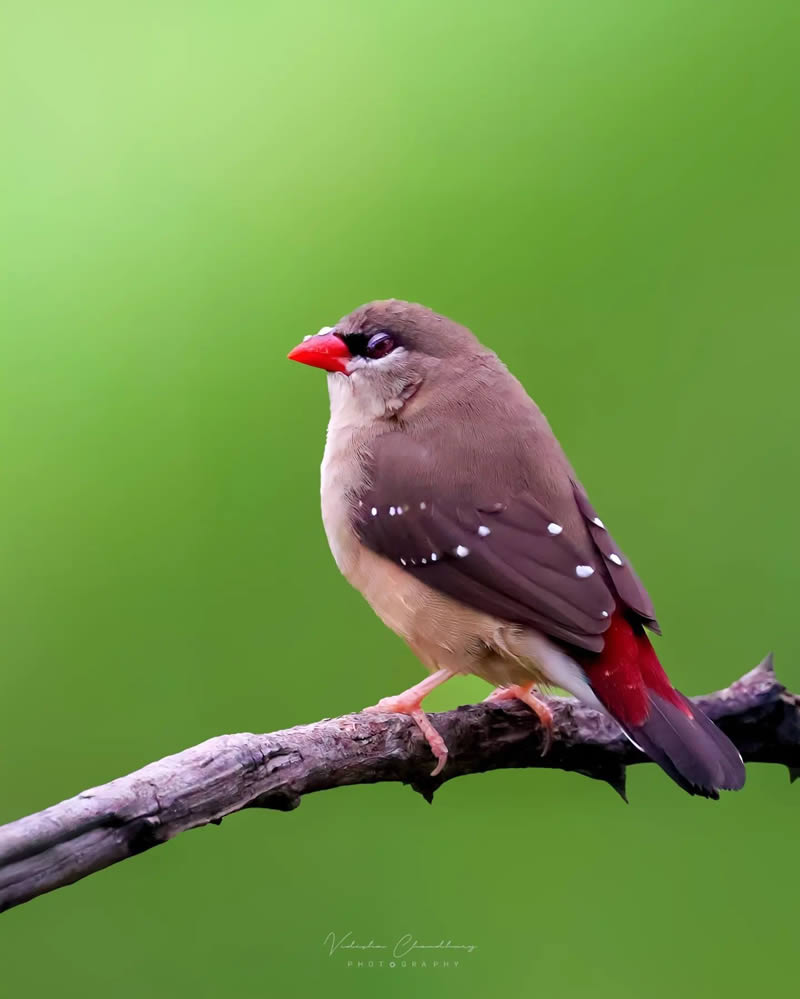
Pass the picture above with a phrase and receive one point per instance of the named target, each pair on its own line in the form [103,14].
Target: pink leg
[540,708]
[408,703]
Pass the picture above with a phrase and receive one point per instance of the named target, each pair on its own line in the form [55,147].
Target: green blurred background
[607,193]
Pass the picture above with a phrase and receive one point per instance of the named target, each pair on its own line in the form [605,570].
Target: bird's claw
[399,704]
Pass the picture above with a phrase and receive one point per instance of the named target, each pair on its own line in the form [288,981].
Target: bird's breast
[341,480]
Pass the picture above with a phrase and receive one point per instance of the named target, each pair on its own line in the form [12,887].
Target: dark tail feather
[692,750]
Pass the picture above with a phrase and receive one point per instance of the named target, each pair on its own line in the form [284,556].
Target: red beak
[325,350]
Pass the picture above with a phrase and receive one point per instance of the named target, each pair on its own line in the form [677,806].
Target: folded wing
[510,558]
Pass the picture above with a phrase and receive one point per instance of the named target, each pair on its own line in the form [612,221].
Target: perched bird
[448,502]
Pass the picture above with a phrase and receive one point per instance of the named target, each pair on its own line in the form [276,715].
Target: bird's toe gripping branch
[409,703]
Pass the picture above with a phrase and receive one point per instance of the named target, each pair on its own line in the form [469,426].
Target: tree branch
[203,784]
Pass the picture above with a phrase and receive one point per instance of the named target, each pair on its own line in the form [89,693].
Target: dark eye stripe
[356,343]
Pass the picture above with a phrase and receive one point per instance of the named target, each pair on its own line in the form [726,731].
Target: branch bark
[106,824]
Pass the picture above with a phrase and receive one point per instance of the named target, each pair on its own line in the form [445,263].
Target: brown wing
[509,558]
[627,585]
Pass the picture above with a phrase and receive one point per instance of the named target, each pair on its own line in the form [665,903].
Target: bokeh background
[607,193]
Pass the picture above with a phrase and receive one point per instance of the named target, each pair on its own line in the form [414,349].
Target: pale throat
[357,400]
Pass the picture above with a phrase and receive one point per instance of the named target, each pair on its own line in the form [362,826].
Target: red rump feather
[627,668]
[630,683]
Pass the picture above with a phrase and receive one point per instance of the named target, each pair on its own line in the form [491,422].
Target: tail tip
[690,748]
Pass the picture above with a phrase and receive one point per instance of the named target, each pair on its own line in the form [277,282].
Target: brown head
[383,353]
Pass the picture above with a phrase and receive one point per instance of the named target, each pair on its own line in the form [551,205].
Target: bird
[449,503]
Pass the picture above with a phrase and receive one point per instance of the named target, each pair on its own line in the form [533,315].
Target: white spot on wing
[392,511]
[599,522]
[374,511]
[484,531]
[615,559]
[423,505]
[434,556]
[324,330]
[403,562]
[584,571]
[605,613]
[462,551]
[555,528]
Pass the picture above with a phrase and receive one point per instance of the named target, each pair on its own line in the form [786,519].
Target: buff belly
[443,633]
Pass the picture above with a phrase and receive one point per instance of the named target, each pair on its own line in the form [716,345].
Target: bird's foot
[397,705]
[540,708]
[408,703]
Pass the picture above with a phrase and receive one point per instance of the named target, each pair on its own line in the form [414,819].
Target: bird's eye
[380,345]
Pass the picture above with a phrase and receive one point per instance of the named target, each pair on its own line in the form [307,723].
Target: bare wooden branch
[204,784]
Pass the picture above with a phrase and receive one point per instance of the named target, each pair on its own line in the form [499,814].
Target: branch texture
[223,775]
